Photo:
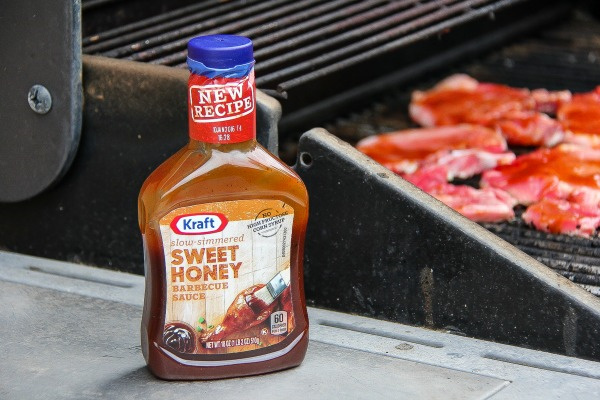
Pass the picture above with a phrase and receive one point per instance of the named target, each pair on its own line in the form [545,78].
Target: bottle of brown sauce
[223,223]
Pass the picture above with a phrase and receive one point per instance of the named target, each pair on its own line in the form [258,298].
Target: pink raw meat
[563,216]
[561,184]
[565,172]
[430,157]
[530,128]
[480,205]
[460,98]
[465,150]
[549,101]
[464,164]
[515,112]
[581,118]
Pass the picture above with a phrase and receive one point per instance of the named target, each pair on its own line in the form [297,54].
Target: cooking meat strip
[562,184]
[514,112]
[430,157]
[581,118]
[563,216]
[567,171]
[480,205]
[464,150]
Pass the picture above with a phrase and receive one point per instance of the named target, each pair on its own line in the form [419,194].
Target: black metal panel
[378,246]
[135,116]
[40,44]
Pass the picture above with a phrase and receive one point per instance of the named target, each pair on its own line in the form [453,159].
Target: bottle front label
[222,110]
[227,276]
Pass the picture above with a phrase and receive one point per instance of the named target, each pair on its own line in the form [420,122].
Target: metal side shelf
[69,331]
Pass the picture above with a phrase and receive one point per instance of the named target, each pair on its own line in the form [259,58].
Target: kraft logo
[199,224]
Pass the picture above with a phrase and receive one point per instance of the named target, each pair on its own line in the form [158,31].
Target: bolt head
[39,99]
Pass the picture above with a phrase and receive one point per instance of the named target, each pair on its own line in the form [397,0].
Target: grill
[575,258]
[396,253]
[301,45]
[565,56]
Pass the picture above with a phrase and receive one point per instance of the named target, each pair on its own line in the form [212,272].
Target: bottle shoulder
[194,175]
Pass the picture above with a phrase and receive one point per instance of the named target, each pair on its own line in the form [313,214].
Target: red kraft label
[222,110]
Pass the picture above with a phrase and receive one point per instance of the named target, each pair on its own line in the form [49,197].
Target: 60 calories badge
[199,224]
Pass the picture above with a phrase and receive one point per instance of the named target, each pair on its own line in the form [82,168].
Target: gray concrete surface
[72,332]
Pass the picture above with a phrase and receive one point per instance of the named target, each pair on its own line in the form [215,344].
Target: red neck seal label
[222,109]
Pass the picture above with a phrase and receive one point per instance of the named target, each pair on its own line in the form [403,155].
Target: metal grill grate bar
[269,32]
[386,42]
[295,42]
[151,26]
[91,4]
[576,258]
[308,31]
[318,41]
[337,42]
[338,19]
[359,50]
[165,43]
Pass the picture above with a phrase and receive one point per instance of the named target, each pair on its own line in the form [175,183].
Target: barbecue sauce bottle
[223,223]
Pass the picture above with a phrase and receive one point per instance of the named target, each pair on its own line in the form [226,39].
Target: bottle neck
[222,107]
[207,147]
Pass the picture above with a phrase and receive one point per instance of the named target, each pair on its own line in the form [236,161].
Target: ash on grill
[565,56]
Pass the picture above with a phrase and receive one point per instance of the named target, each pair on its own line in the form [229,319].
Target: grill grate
[363,24]
[576,258]
[300,45]
[566,56]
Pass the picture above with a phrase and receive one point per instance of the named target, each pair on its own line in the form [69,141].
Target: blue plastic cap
[221,51]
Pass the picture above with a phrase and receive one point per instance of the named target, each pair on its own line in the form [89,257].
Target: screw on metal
[39,99]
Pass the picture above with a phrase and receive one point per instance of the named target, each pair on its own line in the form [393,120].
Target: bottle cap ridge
[221,51]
